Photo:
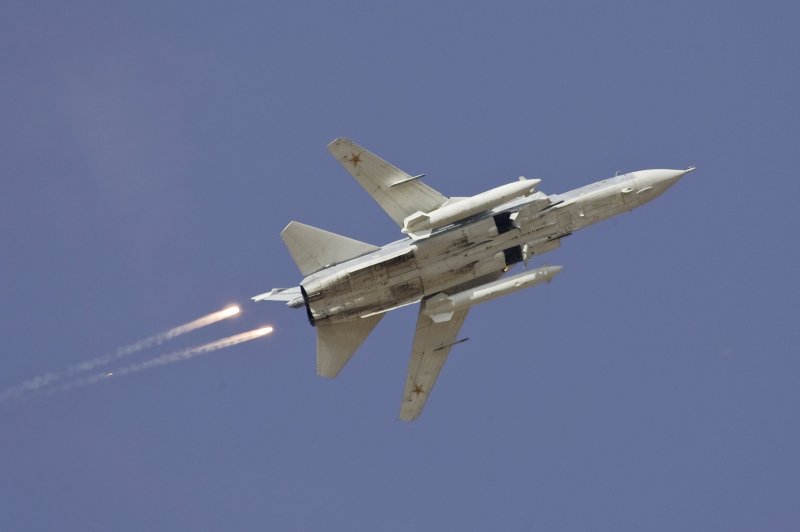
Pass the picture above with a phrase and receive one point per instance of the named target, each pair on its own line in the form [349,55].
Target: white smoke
[42,381]
[163,360]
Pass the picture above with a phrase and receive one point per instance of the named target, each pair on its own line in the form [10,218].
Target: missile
[441,307]
[422,223]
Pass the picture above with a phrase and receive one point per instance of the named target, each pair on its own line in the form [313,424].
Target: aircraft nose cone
[661,178]
[663,174]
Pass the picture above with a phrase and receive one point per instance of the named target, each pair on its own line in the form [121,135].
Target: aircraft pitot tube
[440,308]
[422,223]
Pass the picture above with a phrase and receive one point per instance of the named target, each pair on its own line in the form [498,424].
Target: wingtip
[406,418]
[335,141]
[339,140]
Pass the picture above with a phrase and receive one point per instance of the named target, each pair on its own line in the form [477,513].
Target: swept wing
[398,193]
[432,344]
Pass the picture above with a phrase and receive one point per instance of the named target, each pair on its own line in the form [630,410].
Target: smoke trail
[157,339]
[154,340]
[163,360]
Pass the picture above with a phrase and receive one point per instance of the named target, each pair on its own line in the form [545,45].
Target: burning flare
[49,378]
[163,360]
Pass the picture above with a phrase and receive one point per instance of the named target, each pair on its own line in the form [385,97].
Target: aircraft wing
[432,344]
[398,193]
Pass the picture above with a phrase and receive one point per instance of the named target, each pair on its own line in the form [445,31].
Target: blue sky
[152,153]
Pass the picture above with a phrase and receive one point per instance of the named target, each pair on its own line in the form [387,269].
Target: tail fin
[337,342]
[314,249]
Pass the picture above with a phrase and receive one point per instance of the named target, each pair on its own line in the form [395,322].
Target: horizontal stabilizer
[337,342]
[292,296]
[314,249]
[279,294]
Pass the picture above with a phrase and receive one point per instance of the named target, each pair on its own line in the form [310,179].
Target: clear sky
[152,152]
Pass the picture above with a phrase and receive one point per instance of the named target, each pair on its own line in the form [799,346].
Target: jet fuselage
[471,251]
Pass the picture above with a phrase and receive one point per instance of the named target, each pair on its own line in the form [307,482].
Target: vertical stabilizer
[314,249]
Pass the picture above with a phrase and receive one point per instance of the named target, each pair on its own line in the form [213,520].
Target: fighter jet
[455,254]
